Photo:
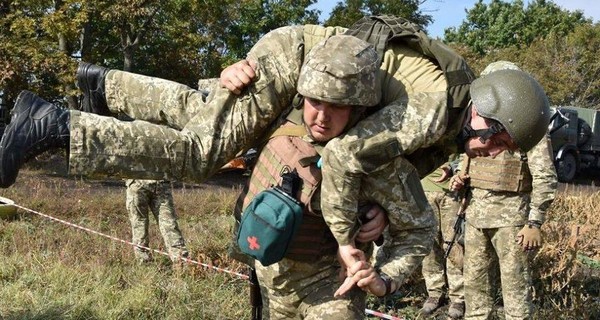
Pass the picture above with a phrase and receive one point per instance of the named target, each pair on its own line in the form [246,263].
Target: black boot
[90,79]
[35,126]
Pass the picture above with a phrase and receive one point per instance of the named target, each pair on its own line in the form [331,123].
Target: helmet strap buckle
[485,134]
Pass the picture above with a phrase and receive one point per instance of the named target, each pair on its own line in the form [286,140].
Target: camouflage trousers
[184,135]
[483,247]
[441,274]
[144,196]
[304,290]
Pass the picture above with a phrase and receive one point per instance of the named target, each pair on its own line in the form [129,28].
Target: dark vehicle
[575,141]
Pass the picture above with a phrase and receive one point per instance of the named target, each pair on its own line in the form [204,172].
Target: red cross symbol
[253,241]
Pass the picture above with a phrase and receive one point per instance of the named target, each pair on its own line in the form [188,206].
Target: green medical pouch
[269,224]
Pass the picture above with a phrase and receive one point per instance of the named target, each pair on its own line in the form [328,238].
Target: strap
[291,183]
[291,131]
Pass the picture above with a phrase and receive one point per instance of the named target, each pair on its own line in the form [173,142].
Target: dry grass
[52,271]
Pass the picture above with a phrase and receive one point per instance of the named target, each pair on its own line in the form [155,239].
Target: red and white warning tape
[187,260]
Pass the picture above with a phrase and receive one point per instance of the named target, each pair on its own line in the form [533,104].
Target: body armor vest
[500,174]
[286,151]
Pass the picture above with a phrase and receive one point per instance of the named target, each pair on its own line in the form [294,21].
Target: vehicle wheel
[566,168]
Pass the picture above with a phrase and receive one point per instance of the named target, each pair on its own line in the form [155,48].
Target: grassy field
[50,270]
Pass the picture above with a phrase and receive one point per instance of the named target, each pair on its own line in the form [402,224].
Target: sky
[451,13]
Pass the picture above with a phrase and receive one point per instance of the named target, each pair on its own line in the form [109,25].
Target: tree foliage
[502,24]
[346,13]
[41,41]
[567,67]
[30,55]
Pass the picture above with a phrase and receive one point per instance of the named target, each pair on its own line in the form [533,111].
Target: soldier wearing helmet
[406,137]
[509,196]
[509,101]
[336,84]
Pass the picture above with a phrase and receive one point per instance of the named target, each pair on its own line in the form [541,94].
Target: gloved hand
[530,237]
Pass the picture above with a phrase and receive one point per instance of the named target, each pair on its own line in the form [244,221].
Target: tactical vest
[286,150]
[380,30]
[500,174]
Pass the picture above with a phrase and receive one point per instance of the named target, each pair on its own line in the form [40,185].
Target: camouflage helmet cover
[517,101]
[342,70]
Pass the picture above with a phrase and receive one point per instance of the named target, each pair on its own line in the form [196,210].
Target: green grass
[52,271]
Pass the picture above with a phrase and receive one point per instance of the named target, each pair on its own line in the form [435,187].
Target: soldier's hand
[446,174]
[458,182]
[348,256]
[376,222]
[365,277]
[238,75]
[529,238]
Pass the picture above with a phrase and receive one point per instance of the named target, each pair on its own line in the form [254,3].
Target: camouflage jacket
[414,100]
[494,209]
[414,124]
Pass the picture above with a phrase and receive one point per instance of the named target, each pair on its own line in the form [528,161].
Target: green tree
[348,12]
[41,41]
[566,66]
[35,50]
[254,18]
[502,24]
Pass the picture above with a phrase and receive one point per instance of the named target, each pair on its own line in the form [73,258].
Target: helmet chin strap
[484,134]
[468,132]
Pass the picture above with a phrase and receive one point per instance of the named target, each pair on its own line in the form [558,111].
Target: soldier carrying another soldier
[187,136]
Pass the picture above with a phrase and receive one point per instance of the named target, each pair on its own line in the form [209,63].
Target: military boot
[90,79]
[35,126]
[456,310]
[431,304]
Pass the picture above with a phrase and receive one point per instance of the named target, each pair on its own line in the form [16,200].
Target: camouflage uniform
[441,274]
[294,289]
[154,196]
[183,137]
[304,290]
[302,284]
[200,137]
[386,154]
[493,220]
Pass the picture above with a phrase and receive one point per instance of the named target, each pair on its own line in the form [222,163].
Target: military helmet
[517,101]
[342,70]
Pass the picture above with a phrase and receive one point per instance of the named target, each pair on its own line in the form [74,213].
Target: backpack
[380,30]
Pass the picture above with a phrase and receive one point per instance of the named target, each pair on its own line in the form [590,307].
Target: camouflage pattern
[304,290]
[348,162]
[503,94]
[341,70]
[442,275]
[207,85]
[395,187]
[415,117]
[482,248]
[187,137]
[514,209]
[499,65]
[184,136]
[156,197]
[494,219]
